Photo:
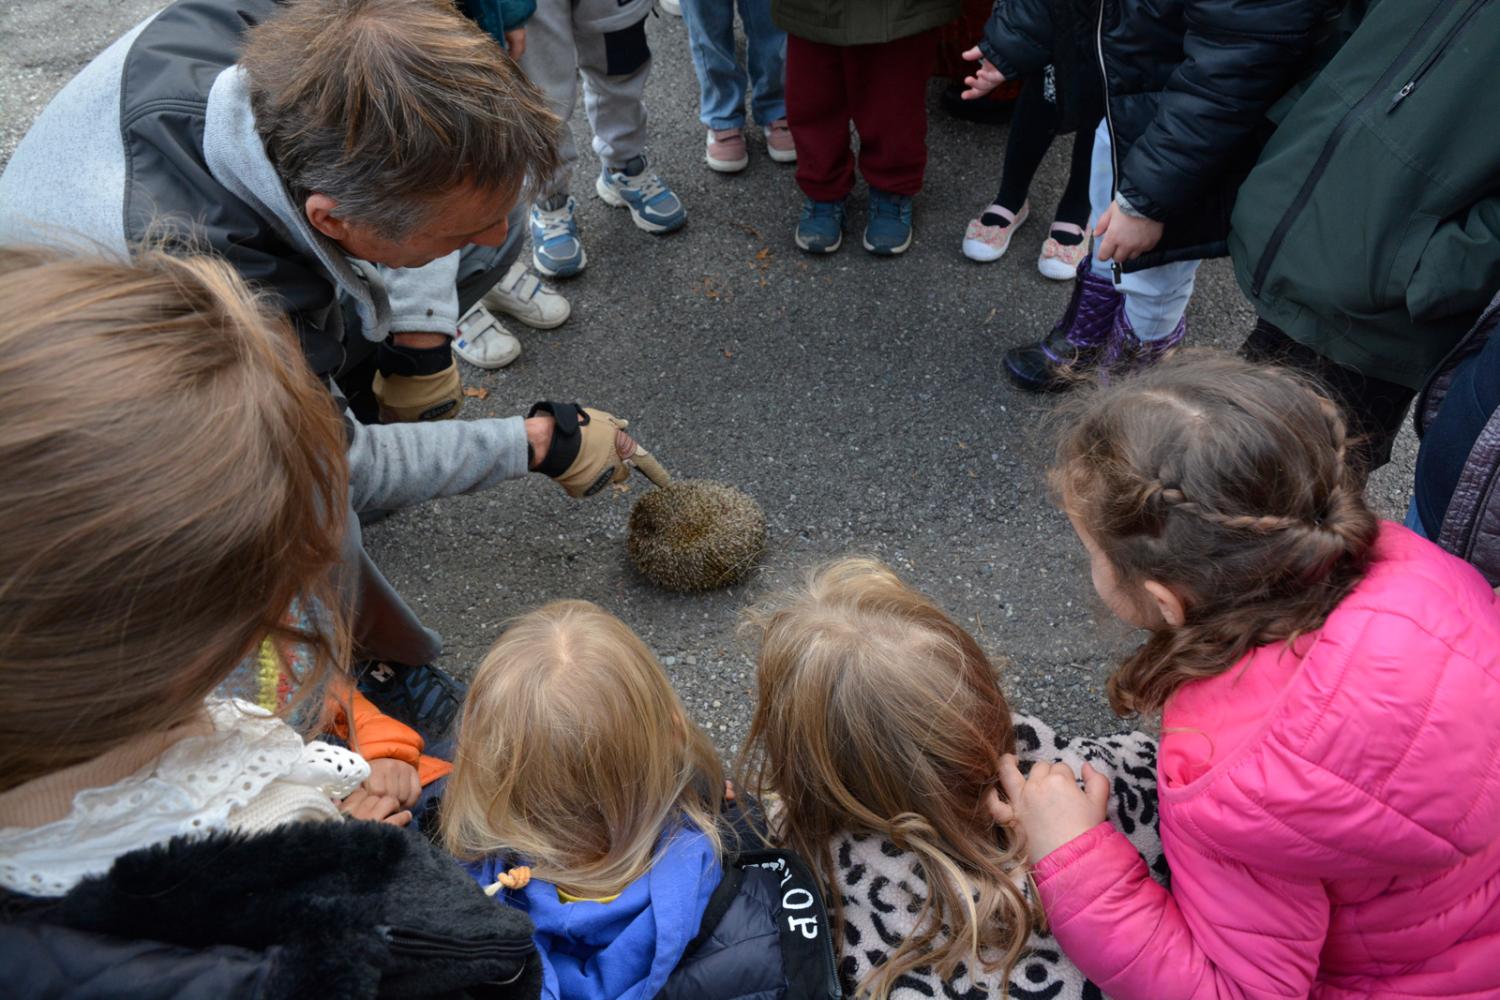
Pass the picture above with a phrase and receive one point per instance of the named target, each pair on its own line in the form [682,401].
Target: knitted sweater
[883,888]
[240,769]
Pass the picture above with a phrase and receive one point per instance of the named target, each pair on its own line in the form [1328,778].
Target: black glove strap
[393,360]
[566,436]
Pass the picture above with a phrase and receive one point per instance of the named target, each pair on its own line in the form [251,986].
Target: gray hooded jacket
[156,138]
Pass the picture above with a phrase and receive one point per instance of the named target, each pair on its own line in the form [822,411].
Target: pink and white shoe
[986,243]
[727,152]
[779,144]
[1059,261]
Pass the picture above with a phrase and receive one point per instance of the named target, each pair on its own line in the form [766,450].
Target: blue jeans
[721,81]
[1414,519]
[1155,298]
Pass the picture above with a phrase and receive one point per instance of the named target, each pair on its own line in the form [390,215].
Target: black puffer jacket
[343,910]
[765,936]
[1187,85]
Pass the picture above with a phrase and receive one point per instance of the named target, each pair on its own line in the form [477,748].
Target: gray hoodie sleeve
[397,465]
[423,299]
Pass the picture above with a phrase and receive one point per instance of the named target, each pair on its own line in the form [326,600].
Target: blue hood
[624,949]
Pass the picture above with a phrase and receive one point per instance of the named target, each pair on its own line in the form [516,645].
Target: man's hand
[416,378]
[1047,805]
[394,778]
[364,804]
[586,450]
[985,79]
[515,42]
[539,436]
[1125,237]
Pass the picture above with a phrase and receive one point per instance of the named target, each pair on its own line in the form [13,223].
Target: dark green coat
[1369,229]
[860,22]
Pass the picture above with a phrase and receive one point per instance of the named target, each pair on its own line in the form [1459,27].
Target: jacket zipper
[1109,125]
[1304,193]
[1435,55]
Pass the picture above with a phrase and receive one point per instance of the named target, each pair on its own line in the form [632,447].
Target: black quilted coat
[1187,84]
[1471,523]
[310,910]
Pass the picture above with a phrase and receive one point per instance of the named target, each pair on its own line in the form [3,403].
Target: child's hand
[985,79]
[1125,237]
[395,778]
[1047,805]
[515,42]
[364,804]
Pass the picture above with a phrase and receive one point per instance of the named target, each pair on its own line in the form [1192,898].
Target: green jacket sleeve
[1459,271]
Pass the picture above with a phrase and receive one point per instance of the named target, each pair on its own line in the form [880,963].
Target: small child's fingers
[1011,778]
[1102,226]
[1096,787]
[728,790]
[973,55]
[999,810]
[398,819]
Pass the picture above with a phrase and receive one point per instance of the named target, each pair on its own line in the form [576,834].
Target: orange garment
[377,736]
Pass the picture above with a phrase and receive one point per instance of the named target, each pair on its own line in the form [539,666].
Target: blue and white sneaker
[888,231]
[556,250]
[652,204]
[821,228]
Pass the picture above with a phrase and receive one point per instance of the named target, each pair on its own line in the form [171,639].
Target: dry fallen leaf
[476,392]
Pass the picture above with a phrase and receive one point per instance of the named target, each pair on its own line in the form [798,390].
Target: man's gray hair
[382,105]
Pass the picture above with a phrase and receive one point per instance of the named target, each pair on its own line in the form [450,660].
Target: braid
[1265,524]
[1231,483]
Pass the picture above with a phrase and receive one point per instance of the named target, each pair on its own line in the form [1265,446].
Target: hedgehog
[694,534]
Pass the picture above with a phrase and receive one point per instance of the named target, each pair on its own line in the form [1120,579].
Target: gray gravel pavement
[858,399]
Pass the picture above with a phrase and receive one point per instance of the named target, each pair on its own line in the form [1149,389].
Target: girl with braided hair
[1328,685]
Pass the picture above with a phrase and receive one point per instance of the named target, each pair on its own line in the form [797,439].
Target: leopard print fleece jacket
[883,887]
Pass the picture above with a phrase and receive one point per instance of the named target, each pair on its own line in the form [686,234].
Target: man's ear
[1173,611]
[320,209]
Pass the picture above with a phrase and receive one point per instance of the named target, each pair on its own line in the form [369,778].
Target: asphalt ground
[858,399]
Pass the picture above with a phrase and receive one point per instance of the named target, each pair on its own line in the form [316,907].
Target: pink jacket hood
[1351,847]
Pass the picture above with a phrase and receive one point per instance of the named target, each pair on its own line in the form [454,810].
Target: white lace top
[251,772]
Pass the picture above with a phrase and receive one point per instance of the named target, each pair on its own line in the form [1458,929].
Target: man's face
[466,215]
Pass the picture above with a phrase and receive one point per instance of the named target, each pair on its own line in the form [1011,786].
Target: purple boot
[1126,353]
[1064,356]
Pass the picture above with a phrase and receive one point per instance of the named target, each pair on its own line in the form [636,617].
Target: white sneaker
[523,295]
[483,342]
[673,7]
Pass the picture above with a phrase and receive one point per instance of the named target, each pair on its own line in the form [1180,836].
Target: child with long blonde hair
[175,483]
[583,795]
[1328,685]
[879,731]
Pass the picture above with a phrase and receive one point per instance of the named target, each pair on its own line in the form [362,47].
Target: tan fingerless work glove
[417,384]
[582,456]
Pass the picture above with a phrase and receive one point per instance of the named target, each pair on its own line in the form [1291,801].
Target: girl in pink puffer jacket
[1329,684]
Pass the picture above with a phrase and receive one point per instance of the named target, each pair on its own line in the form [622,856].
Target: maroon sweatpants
[882,89]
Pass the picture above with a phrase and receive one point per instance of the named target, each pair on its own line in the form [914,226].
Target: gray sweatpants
[604,41]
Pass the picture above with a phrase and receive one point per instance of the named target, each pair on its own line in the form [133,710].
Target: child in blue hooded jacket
[583,795]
